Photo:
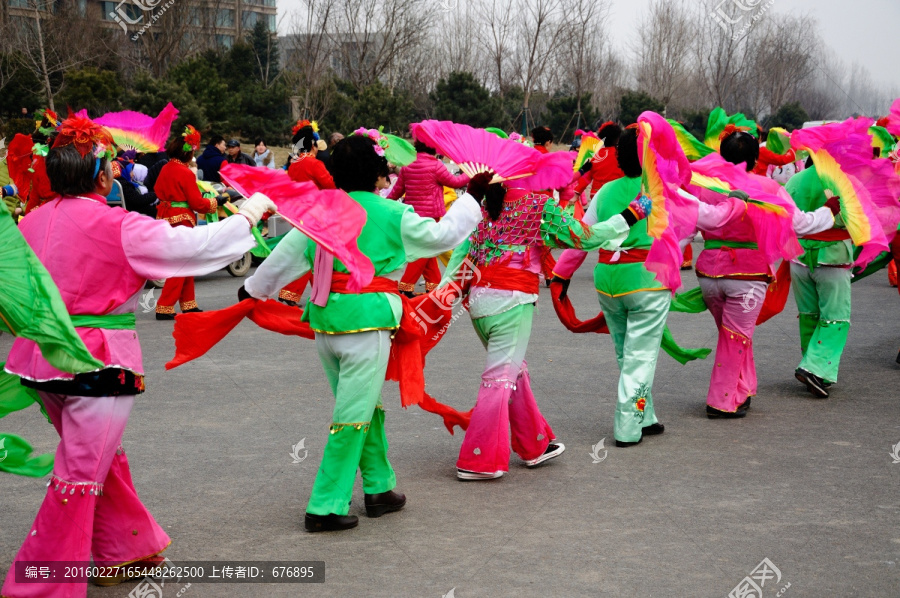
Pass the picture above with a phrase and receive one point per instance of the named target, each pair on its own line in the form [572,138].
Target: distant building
[227,20]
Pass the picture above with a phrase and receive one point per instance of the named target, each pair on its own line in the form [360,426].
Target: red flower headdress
[731,130]
[191,138]
[87,137]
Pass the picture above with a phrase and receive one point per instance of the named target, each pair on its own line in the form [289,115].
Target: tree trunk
[46,76]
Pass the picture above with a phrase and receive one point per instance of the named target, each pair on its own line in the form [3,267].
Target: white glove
[254,208]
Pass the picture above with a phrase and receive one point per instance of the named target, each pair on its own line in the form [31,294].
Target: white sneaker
[554,449]
[465,474]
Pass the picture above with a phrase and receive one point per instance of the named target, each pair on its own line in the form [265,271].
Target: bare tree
[497,40]
[722,56]
[784,60]
[371,35]
[53,40]
[536,29]
[661,54]
[581,57]
[307,53]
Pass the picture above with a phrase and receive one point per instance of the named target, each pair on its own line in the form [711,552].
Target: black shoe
[288,302]
[713,413]
[653,430]
[386,502]
[160,316]
[623,444]
[814,384]
[195,310]
[330,523]
[409,294]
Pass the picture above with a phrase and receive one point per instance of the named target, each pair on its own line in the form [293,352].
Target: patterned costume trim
[173,220]
[335,428]
[95,488]
[186,305]
[289,295]
[165,309]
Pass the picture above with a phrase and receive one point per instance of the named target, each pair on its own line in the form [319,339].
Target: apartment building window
[225,41]
[225,17]
[134,14]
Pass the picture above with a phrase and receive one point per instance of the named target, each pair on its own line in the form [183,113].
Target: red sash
[833,234]
[632,256]
[505,278]
[379,284]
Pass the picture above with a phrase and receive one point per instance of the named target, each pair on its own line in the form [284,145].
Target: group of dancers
[647,204]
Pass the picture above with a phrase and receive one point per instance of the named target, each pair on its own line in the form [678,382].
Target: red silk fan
[477,150]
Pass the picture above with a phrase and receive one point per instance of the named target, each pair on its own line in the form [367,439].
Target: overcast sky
[865,31]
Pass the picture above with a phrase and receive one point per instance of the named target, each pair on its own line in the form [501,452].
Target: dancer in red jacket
[421,185]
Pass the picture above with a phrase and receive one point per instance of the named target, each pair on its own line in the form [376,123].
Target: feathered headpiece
[302,124]
[191,138]
[87,137]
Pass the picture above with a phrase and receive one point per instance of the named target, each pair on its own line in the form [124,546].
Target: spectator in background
[543,139]
[325,156]
[210,161]
[234,155]
[263,156]
[136,200]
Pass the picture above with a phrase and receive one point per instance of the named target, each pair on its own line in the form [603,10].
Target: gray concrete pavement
[808,484]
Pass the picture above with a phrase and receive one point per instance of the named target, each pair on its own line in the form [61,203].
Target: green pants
[636,323]
[823,300]
[355,365]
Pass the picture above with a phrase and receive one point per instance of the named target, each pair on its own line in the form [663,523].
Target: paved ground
[809,485]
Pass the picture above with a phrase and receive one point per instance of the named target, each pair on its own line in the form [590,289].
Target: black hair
[740,148]
[70,173]
[263,141]
[175,150]
[627,154]
[354,164]
[610,134]
[423,148]
[216,140]
[493,200]
[541,135]
[307,135]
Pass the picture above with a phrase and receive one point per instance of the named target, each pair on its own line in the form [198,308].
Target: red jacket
[604,168]
[178,183]
[307,169]
[423,182]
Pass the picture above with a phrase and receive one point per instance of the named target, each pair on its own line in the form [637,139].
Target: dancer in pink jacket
[421,185]
[100,258]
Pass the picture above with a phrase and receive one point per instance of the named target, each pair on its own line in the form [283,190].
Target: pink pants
[91,507]
[735,305]
[505,402]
